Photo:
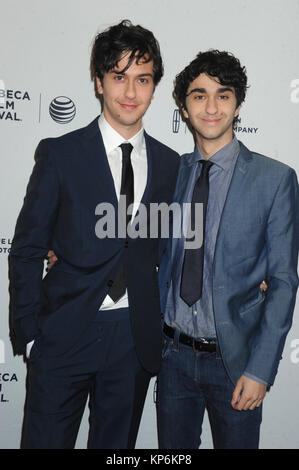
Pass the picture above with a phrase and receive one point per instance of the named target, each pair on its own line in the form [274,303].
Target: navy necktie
[119,285]
[192,271]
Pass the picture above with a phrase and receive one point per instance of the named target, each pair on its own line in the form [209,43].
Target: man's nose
[211,105]
[130,91]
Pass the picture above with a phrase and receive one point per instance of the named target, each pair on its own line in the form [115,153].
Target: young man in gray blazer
[224,336]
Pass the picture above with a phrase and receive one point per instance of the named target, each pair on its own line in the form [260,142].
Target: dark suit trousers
[103,367]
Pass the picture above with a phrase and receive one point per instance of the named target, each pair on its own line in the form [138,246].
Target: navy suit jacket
[257,239]
[70,178]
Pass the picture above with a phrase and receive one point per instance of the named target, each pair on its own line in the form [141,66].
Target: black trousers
[102,367]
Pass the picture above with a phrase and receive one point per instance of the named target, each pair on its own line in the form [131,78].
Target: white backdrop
[44,54]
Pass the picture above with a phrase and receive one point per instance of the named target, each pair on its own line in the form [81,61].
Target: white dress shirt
[112,140]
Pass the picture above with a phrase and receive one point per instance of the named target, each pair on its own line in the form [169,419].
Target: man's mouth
[128,106]
[212,121]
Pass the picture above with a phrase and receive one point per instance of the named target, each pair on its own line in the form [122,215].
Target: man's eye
[223,97]
[143,80]
[199,97]
[118,78]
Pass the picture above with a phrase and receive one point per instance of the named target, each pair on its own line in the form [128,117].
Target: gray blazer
[257,239]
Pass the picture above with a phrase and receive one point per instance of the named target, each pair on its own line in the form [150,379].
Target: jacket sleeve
[30,245]
[282,237]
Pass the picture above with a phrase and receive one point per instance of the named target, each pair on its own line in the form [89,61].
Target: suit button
[110,283]
[126,244]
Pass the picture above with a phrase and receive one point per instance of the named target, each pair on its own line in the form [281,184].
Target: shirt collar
[224,158]
[113,139]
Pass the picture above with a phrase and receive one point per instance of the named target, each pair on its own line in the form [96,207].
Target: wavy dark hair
[125,37]
[219,64]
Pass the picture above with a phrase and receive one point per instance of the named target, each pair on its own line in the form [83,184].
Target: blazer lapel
[235,202]
[185,176]
[150,154]
[98,178]
[238,181]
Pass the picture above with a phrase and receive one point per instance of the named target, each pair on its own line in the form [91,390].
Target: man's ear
[99,86]
[185,112]
[237,111]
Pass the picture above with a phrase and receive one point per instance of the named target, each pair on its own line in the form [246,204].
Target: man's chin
[213,135]
[210,136]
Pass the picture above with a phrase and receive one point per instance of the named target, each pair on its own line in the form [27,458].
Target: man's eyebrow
[123,72]
[203,90]
[145,75]
[117,72]
[197,90]
[224,89]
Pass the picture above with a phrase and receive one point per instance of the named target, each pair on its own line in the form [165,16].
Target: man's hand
[52,258]
[263,286]
[248,394]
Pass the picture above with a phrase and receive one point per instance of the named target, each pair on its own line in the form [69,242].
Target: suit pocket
[59,288]
[253,302]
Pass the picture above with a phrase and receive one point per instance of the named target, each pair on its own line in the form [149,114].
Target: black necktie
[192,271]
[127,189]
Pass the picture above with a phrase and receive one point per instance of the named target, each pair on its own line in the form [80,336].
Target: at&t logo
[62,110]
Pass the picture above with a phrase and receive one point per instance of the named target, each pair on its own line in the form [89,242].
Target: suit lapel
[237,184]
[186,174]
[97,174]
[234,203]
[97,181]
[150,155]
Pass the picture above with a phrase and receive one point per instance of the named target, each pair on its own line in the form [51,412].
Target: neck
[126,131]
[208,147]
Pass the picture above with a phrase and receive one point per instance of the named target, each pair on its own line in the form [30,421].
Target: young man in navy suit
[223,336]
[91,326]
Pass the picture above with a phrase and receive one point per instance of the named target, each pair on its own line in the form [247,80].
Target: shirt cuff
[28,348]
[257,379]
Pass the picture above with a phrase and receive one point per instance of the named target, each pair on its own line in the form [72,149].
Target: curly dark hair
[223,65]
[125,37]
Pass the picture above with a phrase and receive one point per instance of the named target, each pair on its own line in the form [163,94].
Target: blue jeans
[191,382]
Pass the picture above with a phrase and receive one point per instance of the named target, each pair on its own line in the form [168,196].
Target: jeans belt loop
[193,346]
[198,348]
[176,340]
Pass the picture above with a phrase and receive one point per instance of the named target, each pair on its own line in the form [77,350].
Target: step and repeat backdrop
[44,61]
